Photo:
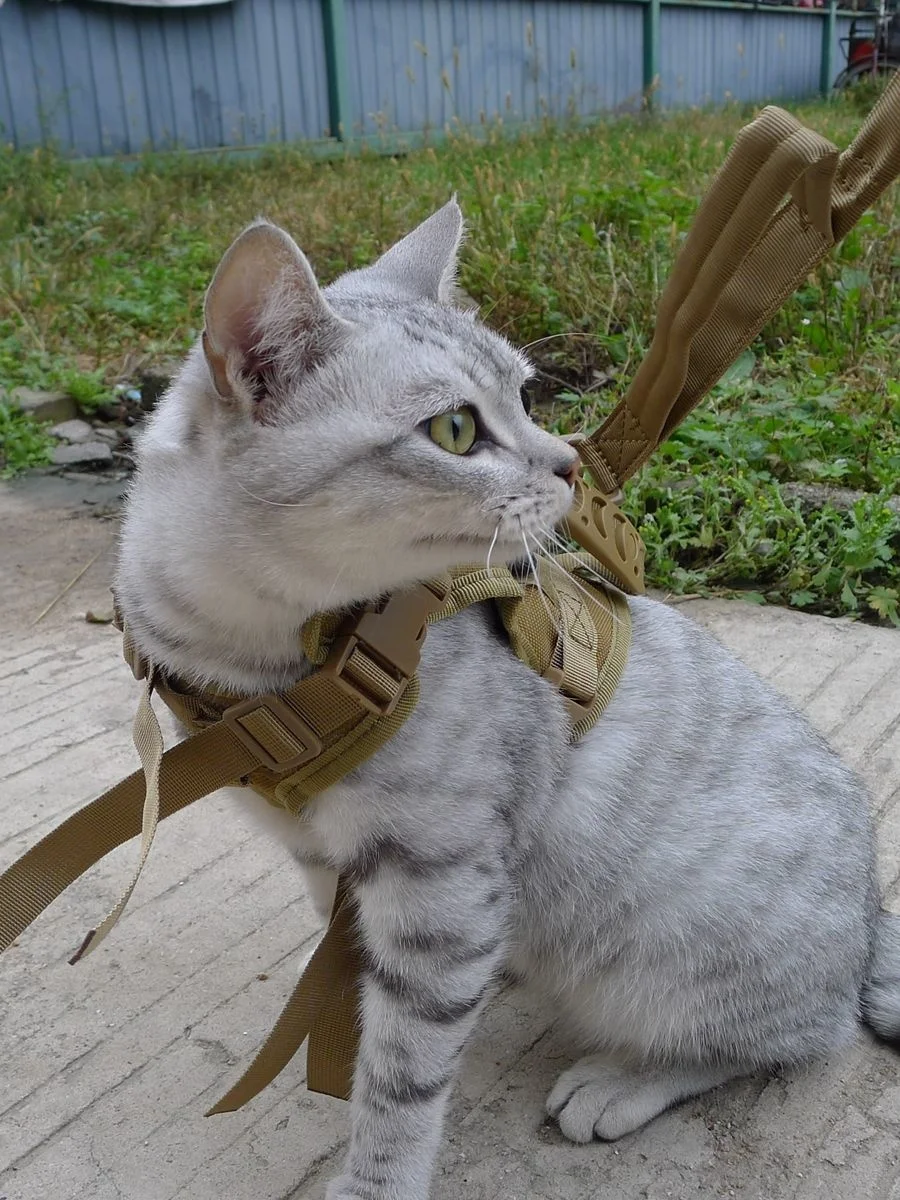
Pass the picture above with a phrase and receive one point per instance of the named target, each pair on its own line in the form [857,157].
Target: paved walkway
[106,1069]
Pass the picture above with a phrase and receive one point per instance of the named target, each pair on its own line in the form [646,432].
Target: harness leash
[748,249]
[782,199]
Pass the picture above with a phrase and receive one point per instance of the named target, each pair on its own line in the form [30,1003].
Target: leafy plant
[573,231]
[87,388]
[23,443]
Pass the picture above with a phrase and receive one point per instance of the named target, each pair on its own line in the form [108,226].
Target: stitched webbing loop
[782,199]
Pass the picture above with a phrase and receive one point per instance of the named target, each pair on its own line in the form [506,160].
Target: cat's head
[368,433]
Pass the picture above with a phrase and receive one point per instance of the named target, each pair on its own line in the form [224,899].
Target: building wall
[423,63]
[710,56]
[104,79]
[99,79]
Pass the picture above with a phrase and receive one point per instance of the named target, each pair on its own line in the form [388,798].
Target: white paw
[593,1099]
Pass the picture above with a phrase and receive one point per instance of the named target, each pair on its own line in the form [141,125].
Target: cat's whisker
[537,579]
[274,503]
[493,544]
[598,597]
[335,582]
[571,333]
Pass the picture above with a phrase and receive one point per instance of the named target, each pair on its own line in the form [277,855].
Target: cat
[692,884]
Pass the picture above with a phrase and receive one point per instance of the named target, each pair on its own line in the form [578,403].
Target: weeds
[572,234]
[23,443]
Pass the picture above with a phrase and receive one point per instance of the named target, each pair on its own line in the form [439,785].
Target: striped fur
[692,885]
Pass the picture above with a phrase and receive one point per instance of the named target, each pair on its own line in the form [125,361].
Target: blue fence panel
[711,55]
[105,78]
[418,64]
[102,78]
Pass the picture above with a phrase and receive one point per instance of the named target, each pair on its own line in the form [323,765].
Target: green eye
[454,431]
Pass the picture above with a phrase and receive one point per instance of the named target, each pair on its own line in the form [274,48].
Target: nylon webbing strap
[188,771]
[747,251]
[305,739]
[148,741]
[324,1007]
[594,618]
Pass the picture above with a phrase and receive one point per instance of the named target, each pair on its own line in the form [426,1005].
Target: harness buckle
[273,733]
[378,652]
[599,526]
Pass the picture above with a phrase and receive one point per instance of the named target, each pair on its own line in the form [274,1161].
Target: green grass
[23,443]
[572,234]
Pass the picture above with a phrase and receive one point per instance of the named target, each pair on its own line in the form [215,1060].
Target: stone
[72,431]
[817,495]
[83,454]
[106,433]
[45,406]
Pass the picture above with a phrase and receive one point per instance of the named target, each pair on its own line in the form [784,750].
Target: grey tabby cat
[692,884]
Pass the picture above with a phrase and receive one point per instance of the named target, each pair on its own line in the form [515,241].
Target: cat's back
[701,770]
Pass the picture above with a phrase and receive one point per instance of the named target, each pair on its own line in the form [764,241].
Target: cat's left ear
[423,264]
[265,318]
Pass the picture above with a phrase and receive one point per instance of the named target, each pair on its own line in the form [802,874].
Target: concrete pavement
[107,1068]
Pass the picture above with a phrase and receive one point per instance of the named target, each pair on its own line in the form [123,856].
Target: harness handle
[783,197]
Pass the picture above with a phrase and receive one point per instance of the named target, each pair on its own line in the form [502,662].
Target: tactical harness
[782,199]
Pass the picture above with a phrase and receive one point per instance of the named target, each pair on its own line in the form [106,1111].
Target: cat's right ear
[264,313]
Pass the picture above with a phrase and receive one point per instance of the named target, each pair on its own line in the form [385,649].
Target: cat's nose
[568,470]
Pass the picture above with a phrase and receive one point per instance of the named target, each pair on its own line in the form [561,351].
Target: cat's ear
[423,264]
[264,314]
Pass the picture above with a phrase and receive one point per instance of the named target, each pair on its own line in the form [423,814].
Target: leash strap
[316,731]
[748,250]
[324,1007]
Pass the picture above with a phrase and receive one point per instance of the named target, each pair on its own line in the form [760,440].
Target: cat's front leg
[434,932]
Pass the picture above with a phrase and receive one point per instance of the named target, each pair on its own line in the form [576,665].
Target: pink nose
[569,470]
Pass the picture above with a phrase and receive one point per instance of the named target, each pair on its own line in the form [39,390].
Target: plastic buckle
[281,712]
[599,526]
[390,637]
[140,667]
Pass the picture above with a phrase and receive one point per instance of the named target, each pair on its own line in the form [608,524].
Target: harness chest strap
[582,652]
[293,746]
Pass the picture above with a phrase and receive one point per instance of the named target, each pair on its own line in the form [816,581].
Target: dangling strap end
[84,948]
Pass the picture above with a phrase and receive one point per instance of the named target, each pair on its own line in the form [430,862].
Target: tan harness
[748,249]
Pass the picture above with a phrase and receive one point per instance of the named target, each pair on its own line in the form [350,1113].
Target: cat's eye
[454,431]
[526,401]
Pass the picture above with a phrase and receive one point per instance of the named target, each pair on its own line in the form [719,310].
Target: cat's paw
[595,1099]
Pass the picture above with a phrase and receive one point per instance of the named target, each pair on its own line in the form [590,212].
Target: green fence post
[829,30]
[651,48]
[335,29]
